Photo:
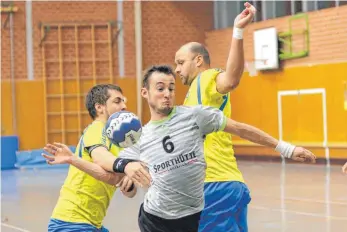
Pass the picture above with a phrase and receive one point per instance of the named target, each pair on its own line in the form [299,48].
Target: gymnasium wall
[60,12]
[163,34]
[255,100]
[30,95]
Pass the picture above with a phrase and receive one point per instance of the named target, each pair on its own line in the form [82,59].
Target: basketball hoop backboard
[266,49]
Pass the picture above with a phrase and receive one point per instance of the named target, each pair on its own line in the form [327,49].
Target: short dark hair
[166,69]
[99,95]
[198,48]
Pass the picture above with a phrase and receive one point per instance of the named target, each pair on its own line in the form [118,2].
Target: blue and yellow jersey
[219,153]
[82,198]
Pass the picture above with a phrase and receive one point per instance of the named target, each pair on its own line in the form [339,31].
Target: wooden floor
[285,197]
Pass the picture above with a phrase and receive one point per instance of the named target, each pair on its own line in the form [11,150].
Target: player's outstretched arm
[133,169]
[344,168]
[230,79]
[61,154]
[258,136]
[103,157]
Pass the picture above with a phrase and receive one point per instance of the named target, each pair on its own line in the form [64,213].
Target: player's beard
[187,80]
[184,80]
[165,110]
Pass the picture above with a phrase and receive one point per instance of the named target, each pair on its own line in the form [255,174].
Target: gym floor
[285,197]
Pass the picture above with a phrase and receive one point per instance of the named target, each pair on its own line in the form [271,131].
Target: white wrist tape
[238,33]
[286,149]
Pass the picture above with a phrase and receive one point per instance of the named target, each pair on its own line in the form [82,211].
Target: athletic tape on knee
[286,149]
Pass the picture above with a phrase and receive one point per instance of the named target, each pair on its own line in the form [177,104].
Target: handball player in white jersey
[171,147]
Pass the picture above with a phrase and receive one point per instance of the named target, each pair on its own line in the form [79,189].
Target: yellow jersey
[218,148]
[84,199]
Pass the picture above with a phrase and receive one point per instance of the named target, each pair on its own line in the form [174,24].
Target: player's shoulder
[181,110]
[96,125]
[208,77]
[211,73]
[182,113]
[96,128]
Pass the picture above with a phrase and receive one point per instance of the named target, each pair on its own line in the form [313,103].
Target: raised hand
[60,154]
[246,16]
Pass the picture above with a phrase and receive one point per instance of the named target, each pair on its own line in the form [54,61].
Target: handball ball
[123,129]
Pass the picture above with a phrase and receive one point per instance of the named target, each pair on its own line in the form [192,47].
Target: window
[325,4]
[283,8]
[296,7]
[258,6]
[268,10]
[308,6]
[225,13]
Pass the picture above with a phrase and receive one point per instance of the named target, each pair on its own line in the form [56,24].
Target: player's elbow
[227,81]
[234,78]
[232,84]
[227,86]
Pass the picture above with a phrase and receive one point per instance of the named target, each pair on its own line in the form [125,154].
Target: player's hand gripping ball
[123,129]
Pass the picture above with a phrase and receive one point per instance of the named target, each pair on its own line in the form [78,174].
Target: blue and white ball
[123,129]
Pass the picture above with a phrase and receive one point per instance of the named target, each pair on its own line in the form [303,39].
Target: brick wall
[60,12]
[19,44]
[327,34]
[5,50]
[166,26]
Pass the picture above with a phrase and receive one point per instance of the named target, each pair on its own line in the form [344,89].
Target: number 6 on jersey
[168,145]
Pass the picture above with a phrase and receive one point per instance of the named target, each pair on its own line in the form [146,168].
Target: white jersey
[174,153]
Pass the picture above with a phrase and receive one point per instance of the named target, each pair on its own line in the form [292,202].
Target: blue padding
[9,146]
[34,159]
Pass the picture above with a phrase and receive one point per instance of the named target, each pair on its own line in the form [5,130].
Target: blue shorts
[225,207]
[56,225]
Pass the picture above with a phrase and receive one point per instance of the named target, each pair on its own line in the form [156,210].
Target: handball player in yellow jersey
[88,189]
[226,195]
